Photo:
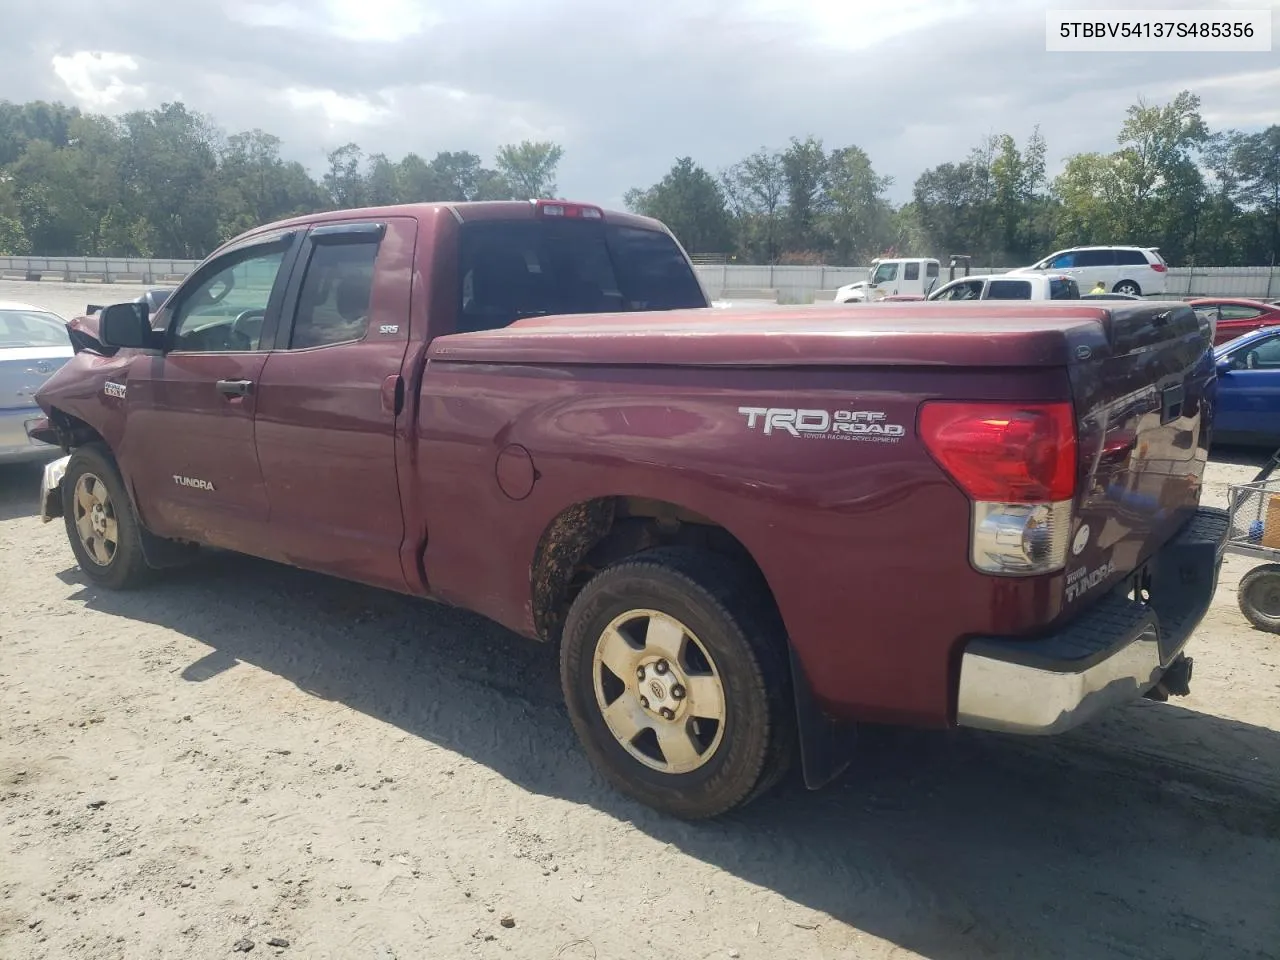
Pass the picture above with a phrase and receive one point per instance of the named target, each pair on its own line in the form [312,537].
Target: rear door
[189,436]
[1008,290]
[331,398]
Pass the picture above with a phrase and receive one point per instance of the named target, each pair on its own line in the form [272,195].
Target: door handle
[235,388]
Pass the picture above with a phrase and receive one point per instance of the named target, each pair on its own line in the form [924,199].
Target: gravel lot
[245,753]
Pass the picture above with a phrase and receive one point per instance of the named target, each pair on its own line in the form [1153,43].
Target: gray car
[33,344]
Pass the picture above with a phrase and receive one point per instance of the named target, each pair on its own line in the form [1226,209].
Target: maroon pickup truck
[747,531]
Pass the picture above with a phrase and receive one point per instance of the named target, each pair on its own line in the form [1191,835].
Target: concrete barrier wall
[794,284]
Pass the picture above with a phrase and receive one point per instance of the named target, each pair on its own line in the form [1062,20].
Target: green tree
[755,188]
[1255,164]
[690,202]
[529,168]
[858,218]
[804,167]
[344,180]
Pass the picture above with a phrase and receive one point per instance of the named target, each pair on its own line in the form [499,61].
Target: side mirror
[1224,366]
[125,325]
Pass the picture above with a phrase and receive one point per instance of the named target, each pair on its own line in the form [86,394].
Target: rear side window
[1095,258]
[1009,290]
[1231,311]
[1064,289]
[931,270]
[911,271]
[1131,258]
[333,304]
[514,269]
[23,328]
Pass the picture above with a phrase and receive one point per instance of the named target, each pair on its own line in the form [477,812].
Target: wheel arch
[591,534]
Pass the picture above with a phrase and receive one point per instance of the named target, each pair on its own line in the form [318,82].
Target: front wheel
[1259,597]
[1128,287]
[677,682]
[104,532]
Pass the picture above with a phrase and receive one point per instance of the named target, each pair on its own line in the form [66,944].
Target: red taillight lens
[1004,452]
[1159,267]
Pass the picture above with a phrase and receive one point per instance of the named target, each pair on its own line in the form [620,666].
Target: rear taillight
[1159,267]
[1017,463]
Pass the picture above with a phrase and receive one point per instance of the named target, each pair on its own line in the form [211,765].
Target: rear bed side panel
[865,544]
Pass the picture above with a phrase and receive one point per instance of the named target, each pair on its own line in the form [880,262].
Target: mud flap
[826,745]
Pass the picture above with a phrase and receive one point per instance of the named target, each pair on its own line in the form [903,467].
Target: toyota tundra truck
[747,532]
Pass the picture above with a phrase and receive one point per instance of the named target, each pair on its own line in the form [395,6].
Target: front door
[331,399]
[189,443]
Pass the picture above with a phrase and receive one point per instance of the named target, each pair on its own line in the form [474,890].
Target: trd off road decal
[866,426]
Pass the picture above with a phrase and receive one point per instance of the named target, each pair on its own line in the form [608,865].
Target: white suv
[1139,271]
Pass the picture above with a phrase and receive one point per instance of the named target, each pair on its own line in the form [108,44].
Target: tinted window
[512,269]
[226,307]
[911,271]
[333,304]
[1230,311]
[931,270]
[1063,262]
[1009,290]
[1130,258]
[1094,258]
[26,328]
[1064,289]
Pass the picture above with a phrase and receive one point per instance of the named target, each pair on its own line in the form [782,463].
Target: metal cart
[1255,532]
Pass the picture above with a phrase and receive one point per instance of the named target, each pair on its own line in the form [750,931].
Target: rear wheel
[104,532]
[1259,597]
[1129,287]
[676,679]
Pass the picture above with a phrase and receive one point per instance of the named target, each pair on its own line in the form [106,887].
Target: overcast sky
[625,87]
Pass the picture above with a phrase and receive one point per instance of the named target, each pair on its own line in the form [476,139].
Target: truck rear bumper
[1117,650]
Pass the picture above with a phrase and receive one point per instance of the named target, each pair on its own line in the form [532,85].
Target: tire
[95,502]
[730,639]
[1259,597]
[1129,287]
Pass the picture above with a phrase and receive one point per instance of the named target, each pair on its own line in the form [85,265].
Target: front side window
[885,273]
[960,290]
[30,328]
[1258,356]
[1063,261]
[225,310]
[333,302]
[1009,290]
[514,269]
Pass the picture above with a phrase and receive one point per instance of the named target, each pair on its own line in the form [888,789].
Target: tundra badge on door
[192,482]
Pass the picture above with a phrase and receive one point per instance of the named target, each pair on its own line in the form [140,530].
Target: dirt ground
[248,754]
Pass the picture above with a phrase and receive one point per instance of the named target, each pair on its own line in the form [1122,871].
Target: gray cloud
[625,87]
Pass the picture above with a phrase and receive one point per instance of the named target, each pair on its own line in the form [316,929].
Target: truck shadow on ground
[1154,833]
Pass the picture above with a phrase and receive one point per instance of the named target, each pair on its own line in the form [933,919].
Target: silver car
[33,344]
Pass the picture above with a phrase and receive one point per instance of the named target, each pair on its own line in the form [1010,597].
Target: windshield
[511,270]
[885,273]
[30,328]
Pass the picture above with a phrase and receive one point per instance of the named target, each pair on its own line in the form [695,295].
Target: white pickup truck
[1005,286]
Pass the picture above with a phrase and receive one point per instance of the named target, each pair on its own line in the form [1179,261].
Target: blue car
[1248,402]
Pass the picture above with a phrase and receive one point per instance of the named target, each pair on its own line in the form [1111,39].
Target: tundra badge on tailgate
[867,426]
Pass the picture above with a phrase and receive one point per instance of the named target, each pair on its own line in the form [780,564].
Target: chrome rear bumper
[1115,651]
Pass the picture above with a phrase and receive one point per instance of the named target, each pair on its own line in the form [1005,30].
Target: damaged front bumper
[1120,649]
[51,489]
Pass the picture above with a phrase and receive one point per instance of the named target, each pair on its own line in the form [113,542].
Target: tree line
[167,182]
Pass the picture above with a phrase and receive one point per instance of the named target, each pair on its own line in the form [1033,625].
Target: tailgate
[1144,411]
